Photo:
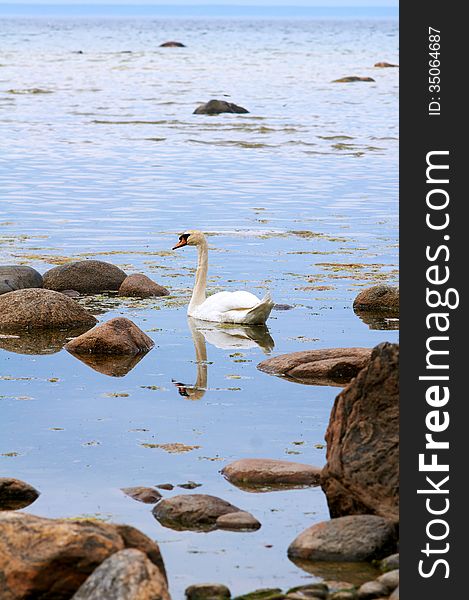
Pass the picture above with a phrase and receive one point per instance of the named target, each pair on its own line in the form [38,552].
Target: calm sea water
[104,159]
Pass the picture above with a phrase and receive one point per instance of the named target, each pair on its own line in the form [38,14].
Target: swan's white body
[223,307]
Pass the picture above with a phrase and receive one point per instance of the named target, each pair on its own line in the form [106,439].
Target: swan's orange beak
[182,242]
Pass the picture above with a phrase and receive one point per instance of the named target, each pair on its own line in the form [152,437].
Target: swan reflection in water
[226,337]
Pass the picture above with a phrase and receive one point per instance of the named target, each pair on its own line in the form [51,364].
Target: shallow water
[299,196]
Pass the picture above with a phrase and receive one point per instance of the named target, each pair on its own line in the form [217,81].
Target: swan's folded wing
[229,301]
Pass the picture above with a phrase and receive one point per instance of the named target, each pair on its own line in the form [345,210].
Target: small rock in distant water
[18,277]
[384,64]
[16,494]
[207,591]
[85,276]
[351,79]
[117,336]
[39,309]
[197,512]
[125,575]
[237,521]
[251,473]
[390,563]
[283,307]
[172,45]
[190,485]
[141,286]
[143,494]
[165,486]
[216,107]
[355,538]
[329,366]
[379,298]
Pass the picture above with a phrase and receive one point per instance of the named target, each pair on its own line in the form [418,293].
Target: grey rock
[390,563]
[239,520]
[197,512]
[390,580]
[371,590]
[85,276]
[216,107]
[18,277]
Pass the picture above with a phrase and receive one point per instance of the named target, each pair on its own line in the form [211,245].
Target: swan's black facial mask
[182,241]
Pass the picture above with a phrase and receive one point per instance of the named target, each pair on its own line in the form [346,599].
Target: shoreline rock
[18,277]
[378,299]
[85,277]
[139,285]
[266,474]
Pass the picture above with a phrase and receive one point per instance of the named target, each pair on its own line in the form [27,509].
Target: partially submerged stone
[238,521]
[207,591]
[264,474]
[139,285]
[117,336]
[198,512]
[85,276]
[348,539]
[328,366]
[378,298]
[125,575]
[143,494]
[352,79]
[39,309]
[384,65]
[16,494]
[216,107]
[18,277]
[172,44]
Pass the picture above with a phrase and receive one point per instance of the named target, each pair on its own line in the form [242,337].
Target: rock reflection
[109,364]
[226,337]
[44,341]
[354,573]
[379,320]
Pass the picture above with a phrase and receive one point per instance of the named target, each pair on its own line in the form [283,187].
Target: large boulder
[51,558]
[265,474]
[41,309]
[361,475]
[192,511]
[117,336]
[141,286]
[17,277]
[349,539]
[16,494]
[378,298]
[125,575]
[329,366]
[84,276]
[216,107]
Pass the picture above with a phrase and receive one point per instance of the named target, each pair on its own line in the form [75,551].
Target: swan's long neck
[198,293]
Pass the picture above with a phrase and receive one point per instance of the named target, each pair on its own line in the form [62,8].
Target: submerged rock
[172,45]
[33,309]
[351,79]
[379,298]
[85,276]
[330,366]
[216,107]
[192,511]
[238,521]
[117,336]
[141,286]
[207,591]
[16,494]
[17,277]
[361,475]
[125,575]
[349,539]
[263,474]
[263,594]
[384,64]
[51,558]
[143,494]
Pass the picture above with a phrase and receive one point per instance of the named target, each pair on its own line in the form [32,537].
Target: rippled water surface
[104,159]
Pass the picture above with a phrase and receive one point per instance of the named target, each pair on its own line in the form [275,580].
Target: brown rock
[16,494]
[238,521]
[207,591]
[345,595]
[265,474]
[216,107]
[330,366]
[362,470]
[51,558]
[311,590]
[354,538]
[143,494]
[117,337]
[172,45]
[371,590]
[141,286]
[126,575]
[41,309]
[192,511]
[18,277]
[351,79]
[384,64]
[134,538]
[84,276]
[379,298]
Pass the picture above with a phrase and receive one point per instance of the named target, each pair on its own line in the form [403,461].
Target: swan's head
[190,238]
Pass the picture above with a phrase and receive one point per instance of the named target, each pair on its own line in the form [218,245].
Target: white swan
[223,307]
